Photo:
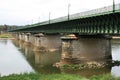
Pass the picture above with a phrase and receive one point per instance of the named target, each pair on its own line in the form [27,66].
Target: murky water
[18,57]
[116,56]
[11,59]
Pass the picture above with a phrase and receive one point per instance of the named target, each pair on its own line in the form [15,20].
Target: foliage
[38,76]
[89,66]
[81,66]
[5,28]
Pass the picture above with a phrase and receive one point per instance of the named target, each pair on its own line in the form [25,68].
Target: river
[16,57]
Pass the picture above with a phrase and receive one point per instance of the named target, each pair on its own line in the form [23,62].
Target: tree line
[6,28]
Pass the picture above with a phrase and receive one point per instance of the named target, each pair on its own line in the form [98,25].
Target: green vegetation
[82,66]
[89,66]
[5,28]
[6,36]
[37,76]
[104,77]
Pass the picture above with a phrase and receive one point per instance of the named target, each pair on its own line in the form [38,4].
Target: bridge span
[99,21]
[83,38]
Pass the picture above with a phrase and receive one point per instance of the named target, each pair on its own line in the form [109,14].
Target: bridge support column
[21,36]
[37,41]
[16,35]
[31,38]
[86,49]
[51,42]
[48,42]
[27,37]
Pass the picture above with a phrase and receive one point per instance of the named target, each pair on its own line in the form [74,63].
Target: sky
[24,12]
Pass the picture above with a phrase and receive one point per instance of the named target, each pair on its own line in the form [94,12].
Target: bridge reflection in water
[42,61]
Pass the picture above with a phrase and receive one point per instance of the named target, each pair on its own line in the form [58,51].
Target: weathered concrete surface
[86,50]
[49,42]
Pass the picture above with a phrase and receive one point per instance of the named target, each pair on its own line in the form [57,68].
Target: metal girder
[101,24]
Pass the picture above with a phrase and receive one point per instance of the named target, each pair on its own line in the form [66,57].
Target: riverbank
[37,76]
[6,35]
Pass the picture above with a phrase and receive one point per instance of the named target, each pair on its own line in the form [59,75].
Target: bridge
[78,36]
[99,21]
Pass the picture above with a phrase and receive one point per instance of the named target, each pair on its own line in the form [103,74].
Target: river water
[16,57]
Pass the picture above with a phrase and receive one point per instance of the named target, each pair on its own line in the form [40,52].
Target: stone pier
[86,49]
[47,42]
[26,37]
[51,42]
[75,49]
[41,42]
[37,41]
[16,35]
[21,36]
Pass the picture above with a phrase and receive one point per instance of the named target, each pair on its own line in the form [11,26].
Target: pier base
[86,50]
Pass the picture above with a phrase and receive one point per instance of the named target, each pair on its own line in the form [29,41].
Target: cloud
[21,12]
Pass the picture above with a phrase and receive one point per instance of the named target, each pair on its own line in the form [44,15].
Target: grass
[37,76]
[104,77]
[6,36]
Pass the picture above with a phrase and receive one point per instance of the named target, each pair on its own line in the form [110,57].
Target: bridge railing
[94,12]
[117,7]
[91,13]
[99,11]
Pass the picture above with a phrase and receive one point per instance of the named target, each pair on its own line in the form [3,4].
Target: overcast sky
[22,12]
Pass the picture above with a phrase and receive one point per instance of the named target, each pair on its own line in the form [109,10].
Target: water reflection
[45,60]
[41,61]
[3,41]
[19,57]
[116,50]
[116,56]
[11,59]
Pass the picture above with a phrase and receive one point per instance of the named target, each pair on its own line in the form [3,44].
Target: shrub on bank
[89,66]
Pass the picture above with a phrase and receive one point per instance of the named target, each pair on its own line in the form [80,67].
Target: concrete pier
[45,42]
[26,37]
[21,36]
[51,42]
[92,49]
[37,41]
[75,49]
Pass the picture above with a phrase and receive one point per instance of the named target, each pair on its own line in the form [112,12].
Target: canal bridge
[82,37]
[99,21]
